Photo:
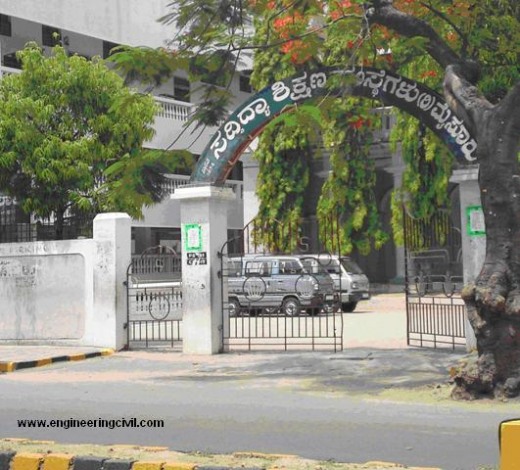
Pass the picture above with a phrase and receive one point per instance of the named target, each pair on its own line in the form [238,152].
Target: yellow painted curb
[6,366]
[107,352]
[178,466]
[57,462]
[26,461]
[147,465]
[77,357]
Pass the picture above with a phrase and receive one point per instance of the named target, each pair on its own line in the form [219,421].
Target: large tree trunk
[493,301]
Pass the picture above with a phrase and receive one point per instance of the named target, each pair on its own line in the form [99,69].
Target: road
[320,406]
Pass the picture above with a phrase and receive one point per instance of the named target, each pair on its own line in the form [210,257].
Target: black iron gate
[436,315]
[268,303]
[154,303]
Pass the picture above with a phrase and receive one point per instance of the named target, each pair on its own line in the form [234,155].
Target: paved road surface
[317,405]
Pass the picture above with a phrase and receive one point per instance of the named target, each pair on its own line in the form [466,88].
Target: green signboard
[192,235]
[248,120]
[475,220]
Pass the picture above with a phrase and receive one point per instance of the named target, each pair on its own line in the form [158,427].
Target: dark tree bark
[493,300]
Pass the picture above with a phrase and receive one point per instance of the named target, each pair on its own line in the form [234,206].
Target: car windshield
[350,266]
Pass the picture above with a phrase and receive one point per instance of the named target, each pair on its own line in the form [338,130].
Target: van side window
[257,268]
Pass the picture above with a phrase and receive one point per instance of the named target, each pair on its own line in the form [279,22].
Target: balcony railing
[8,70]
[173,109]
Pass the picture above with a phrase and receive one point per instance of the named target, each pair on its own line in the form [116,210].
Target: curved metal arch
[249,119]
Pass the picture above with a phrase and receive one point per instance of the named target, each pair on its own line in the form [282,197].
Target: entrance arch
[249,119]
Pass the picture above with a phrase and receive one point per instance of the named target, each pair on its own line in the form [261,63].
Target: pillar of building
[204,216]
[473,231]
[397,170]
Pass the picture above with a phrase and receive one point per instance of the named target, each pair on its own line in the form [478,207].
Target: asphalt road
[320,406]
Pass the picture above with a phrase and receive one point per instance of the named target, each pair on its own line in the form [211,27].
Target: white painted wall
[69,291]
[132,22]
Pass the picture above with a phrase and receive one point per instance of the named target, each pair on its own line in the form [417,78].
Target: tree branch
[441,15]
[383,12]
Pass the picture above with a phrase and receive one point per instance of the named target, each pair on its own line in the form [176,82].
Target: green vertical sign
[475,220]
[192,235]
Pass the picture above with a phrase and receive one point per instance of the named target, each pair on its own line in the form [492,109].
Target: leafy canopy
[286,37]
[71,138]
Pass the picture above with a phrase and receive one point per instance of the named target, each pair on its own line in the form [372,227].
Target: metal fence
[17,227]
[281,332]
[154,305]
[436,314]
[251,323]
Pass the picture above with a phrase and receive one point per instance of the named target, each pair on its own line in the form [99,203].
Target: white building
[94,28]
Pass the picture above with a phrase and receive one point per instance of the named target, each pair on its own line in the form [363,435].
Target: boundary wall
[67,292]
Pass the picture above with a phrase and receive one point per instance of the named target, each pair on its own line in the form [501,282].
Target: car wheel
[291,306]
[233,308]
[348,306]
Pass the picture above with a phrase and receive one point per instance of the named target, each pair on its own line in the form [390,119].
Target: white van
[348,278]
[280,282]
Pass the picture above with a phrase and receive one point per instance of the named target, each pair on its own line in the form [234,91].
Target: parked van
[267,283]
[348,278]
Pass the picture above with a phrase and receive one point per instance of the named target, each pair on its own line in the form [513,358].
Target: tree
[469,50]
[71,139]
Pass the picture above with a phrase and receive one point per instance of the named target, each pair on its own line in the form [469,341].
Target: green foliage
[146,65]
[347,198]
[64,122]
[428,166]
[284,152]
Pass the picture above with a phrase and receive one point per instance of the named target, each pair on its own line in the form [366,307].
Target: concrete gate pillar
[203,233]
[473,231]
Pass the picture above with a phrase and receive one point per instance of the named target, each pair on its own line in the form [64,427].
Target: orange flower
[451,37]
[358,123]
[429,73]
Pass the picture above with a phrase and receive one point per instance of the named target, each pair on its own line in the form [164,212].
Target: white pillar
[473,244]
[396,169]
[204,216]
[113,254]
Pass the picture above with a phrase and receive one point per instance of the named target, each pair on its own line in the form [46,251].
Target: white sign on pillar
[204,215]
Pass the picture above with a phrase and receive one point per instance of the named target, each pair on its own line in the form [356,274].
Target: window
[181,89]
[10,60]
[107,48]
[5,25]
[245,83]
[50,36]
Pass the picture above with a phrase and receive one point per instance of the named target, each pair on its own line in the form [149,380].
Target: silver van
[268,283]
[348,278]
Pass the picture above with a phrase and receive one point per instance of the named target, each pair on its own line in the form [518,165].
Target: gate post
[473,235]
[203,233]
